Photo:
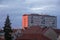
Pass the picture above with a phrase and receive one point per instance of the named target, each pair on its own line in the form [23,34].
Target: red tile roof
[45,29]
[57,31]
[34,32]
[35,29]
[1,39]
[33,36]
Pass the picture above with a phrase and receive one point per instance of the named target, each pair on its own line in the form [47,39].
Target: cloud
[44,8]
[3,6]
[40,8]
[16,8]
[44,2]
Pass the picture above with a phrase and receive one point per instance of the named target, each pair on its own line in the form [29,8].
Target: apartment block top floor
[39,15]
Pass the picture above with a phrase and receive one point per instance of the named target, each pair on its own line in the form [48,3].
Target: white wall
[37,20]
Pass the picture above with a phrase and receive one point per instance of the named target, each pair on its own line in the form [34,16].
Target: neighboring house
[1,34]
[32,30]
[33,37]
[58,33]
[1,39]
[33,33]
[16,33]
[50,33]
[58,37]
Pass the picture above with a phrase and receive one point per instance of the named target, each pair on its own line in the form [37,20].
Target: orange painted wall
[24,21]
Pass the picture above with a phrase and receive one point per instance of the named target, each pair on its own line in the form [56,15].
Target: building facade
[39,20]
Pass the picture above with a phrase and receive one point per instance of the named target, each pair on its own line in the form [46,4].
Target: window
[43,21]
[31,19]
[53,22]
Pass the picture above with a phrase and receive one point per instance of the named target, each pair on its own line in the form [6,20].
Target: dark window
[43,21]
[53,22]
[32,19]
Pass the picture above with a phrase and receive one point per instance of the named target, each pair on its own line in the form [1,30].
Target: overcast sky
[16,8]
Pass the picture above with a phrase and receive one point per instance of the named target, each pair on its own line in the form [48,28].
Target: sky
[16,8]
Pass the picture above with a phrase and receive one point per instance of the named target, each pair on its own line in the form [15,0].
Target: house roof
[35,29]
[32,36]
[57,31]
[1,39]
